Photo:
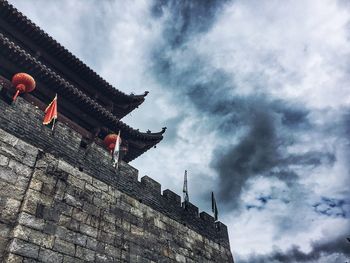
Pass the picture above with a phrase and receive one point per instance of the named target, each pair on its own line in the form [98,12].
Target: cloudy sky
[255,95]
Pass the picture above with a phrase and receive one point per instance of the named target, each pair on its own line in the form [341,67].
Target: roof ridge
[40,37]
[38,68]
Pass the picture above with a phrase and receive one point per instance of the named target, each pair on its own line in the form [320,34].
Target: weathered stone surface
[52,212]
[33,236]
[23,248]
[4,160]
[85,254]
[50,256]
[12,258]
[31,221]
[64,247]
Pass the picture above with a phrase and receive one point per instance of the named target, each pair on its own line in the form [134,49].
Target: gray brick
[64,247]
[88,230]
[101,258]
[4,160]
[49,256]
[69,259]
[8,175]
[85,254]
[12,258]
[23,248]
[31,221]
[33,236]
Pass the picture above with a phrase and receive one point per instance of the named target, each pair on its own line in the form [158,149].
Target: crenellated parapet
[23,120]
[61,199]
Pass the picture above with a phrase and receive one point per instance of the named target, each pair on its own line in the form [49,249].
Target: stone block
[73,201]
[3,244]
[112,251]
[190,209]
[19,168]
[64,247]
[4,160]
[63,208]
[8,190]
[74,180]
[23,248]
[207,218]
[10,210]
[51,214]
[69,259]
[180,258]
[105,237]
[50,228]
[79,215]
[88,230]
[33,236]
[22,183]
[91,209]
[31,221]
[4,230]
[12,258]
[8,175]
[74,225]
[30,152]
[66,234]
[49,256]
[80,239]
[91,243]
[100,185]
[35,184]
[151,184]
[45,159]
[171,196]
[57,173]
[85,254]
[102,258]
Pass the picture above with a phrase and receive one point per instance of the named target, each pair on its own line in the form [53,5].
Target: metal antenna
[214,207]
[185,189]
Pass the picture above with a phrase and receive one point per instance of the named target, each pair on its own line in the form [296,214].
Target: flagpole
[115,156]
[185,190]
[214,207]
[53,124]
[54,119]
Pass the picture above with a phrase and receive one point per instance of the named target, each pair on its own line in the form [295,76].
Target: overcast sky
[255,95]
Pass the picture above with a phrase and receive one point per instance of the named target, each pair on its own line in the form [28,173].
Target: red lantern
[23,82]
[110,141]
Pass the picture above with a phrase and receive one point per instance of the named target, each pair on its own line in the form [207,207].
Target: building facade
[61,200]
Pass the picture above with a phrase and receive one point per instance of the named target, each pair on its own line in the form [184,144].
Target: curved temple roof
[44,47]
[17,58]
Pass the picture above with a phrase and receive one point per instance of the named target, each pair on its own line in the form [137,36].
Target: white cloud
[296,50]
[292,50]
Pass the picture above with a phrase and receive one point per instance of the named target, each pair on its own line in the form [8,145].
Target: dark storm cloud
[312,158]
[270,125]
[320,249]
[256,153]
[187,17]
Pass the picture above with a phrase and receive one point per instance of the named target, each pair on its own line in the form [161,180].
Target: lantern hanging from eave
[23,82]
[110,141]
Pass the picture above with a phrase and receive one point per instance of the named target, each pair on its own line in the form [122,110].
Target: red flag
[51,113]
[116,151]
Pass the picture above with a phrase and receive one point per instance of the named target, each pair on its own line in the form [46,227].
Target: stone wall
[61,202]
